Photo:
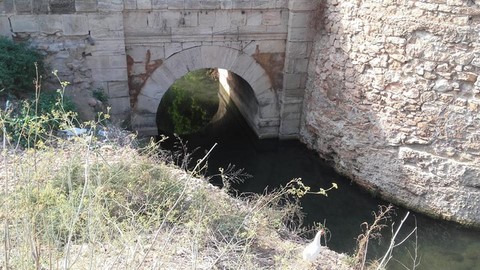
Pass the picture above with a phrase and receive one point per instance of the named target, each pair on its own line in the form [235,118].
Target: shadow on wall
[393,100]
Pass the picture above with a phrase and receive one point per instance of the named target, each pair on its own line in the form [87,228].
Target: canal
[273,163]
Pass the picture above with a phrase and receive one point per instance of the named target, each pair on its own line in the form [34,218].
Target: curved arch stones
[263,111]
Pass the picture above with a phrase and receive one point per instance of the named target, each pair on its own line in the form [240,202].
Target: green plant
[190,103]
[100,95]
[38,117]
[17,68]
[187,115]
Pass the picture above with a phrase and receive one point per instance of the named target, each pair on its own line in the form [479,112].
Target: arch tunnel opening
[207,105]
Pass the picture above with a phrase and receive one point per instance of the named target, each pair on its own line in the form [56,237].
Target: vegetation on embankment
[98,205]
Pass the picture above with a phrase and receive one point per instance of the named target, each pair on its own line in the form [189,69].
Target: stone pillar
[298,47]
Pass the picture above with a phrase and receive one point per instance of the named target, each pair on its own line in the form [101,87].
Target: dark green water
[440,245]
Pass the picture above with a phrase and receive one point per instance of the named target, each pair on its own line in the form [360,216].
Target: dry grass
[84,204]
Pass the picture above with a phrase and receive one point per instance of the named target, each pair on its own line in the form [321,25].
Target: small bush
[17,67]
[35,120]
[100,94]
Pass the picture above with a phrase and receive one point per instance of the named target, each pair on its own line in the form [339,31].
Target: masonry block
[111,22]
[109,74]
[272,18]
[107,61]
[300,34]
[159,4]
[269,111]
[50,24]
[302,5]
[298,19]
[159,82]
[24,23]
[179,65]
[297,50]
[254,18]
[130,4]
[110,5]
[206,18]
[7,7]
[74,25]
[105,47]
[119,106]
[242,4]
[263,4]
[144,4]
[147,104]
[4,26]
[172,48]
[175,4]
[40,6]
[294,80]
[62,6]
[253,73]
[289,128]
[86,5]
[23,6]
[117,89]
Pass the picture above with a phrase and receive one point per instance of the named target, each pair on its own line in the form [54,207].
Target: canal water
[272,163]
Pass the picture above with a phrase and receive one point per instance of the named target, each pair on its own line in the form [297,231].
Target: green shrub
[100,94]
[17,67]
[35,121]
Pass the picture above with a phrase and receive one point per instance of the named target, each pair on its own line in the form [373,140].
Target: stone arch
[264,120]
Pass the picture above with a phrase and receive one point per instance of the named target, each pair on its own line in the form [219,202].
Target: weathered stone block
[109,22]
[23,6]
[172,48]
[109,74]
[159,4]
[300,34]
[24,23]
[40,6]
[4,26]
[176,4]
[62,6]
[159,82]
[107,61]
[206,18]
[237,18]
[302,5]
[289,127]
[203,4]
[119,106]
[130,4]
[294,81]
[297,50]
[254,18]
[263,4]
[298,19]
[241,4]
[272,18]
[110,5]
[118,89]
[50,24]
[86,5]
[144,4]
[7,7]
[74,25]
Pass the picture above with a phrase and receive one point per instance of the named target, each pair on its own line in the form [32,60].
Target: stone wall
[118,45]
[83,40]
[393,100]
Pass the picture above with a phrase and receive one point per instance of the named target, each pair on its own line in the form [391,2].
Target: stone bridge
[136,49]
